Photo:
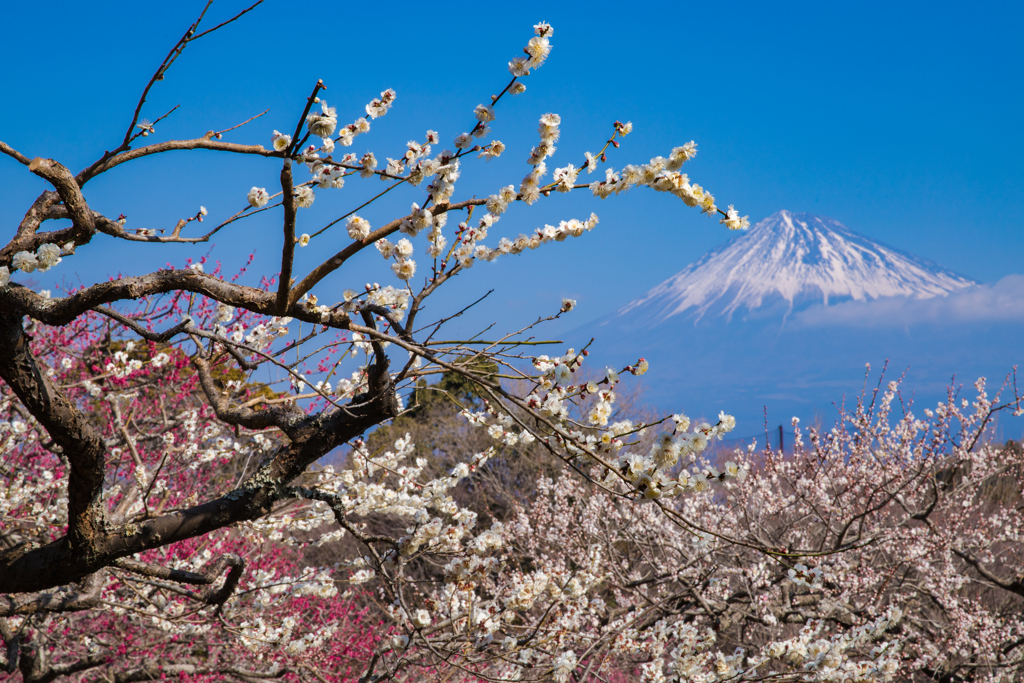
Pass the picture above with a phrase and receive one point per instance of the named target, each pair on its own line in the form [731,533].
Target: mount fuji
[783,320]
[789,261]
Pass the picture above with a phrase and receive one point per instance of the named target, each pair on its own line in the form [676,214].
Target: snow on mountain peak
[793,258]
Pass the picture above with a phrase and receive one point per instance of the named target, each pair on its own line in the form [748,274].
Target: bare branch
[205,142]
[13,153]
[175,52]
[238,125]
[225,23]
[1013,586]
[149,335]
[296,143]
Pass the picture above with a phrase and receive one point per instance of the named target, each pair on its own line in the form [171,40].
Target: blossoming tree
[162,503]
[902,535]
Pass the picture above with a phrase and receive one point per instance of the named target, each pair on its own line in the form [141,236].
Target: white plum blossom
[323,124]
[25,261]
[281,141]
[733,221]
[258,197]
[48,256]
[564,665]
[492,151]
[304,196]
[380,106]
[404,269]
[484,113]
[802,576]
[565,178]
[403,248]
[358,228]
[681,155]
[538,50]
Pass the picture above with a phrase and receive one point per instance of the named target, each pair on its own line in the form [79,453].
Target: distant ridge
[786,260]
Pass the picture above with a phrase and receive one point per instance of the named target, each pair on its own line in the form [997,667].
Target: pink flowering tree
[196,607]
[167,509]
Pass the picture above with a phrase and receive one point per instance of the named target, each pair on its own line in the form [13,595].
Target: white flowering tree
[161,506]
[900,536]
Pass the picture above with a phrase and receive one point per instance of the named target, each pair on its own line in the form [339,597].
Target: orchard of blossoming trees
[165,510]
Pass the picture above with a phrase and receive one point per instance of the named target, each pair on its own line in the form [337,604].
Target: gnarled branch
[209,595]
[56,601]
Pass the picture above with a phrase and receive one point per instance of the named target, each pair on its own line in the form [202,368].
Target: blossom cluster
[45,257]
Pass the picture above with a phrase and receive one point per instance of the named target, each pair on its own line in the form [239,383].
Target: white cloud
[1000,302]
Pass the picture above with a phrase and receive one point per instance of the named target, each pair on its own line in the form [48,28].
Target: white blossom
[281,141]
[25,261]
[258,197]
[358,228]
[304,197]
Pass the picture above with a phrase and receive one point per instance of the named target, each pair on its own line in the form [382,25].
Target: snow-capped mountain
[791,259]
[781,320]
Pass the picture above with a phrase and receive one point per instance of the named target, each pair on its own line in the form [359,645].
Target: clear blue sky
[901,120]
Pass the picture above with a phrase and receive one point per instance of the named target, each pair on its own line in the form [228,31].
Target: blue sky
[900,120]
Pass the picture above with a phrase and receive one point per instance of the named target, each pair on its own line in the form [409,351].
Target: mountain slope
[788,260]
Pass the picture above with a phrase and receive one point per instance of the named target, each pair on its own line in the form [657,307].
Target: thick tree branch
[84,598]
[282,417]
[69,191]
[1013,586]
[66,425]
[288,250]
[157,672]
[54,672]
[29,240]
[61,311]
[41,210]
